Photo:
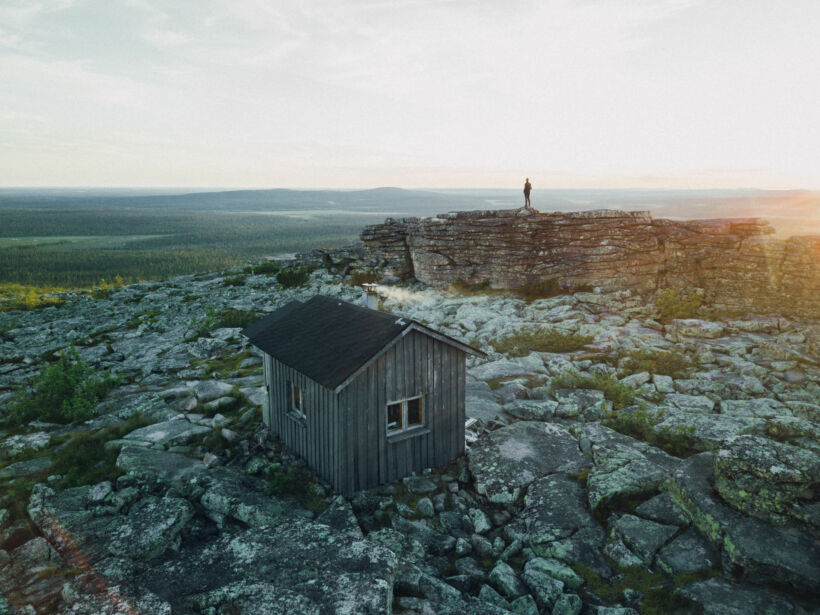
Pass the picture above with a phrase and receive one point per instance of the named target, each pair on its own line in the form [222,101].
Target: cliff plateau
[737,262]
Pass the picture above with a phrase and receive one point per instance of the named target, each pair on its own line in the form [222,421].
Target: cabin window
[297,399]
[404,415]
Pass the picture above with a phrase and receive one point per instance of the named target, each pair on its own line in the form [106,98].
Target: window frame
[404,416]
[296,410]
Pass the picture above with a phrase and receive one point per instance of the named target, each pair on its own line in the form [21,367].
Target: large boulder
[168,433]
[151,528]
[771,480]
[720,597]
[751,548]
[505,461]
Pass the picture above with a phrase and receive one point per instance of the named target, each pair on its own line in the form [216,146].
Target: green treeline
[183,242]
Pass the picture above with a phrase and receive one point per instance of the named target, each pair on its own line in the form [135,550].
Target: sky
[411,93]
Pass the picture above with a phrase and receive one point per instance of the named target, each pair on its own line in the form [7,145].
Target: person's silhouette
[527,190]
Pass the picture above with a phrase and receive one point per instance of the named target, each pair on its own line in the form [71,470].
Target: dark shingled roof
[328,339]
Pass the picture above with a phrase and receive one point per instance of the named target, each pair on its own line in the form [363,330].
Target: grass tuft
[619,394]
[666,363]
[541,340]
[671,304]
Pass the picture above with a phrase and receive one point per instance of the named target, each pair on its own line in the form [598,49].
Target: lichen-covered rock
[587,404]
[540,577]
[168,433]
[503,577]
[751,547]
[623,466]
[692,327]
[689,552]
[159,466]
[767,479]
[295,564]
[14,445]
[241,497]
[643,537]
[556,523]
[506,460]
[151,528]
[531,409]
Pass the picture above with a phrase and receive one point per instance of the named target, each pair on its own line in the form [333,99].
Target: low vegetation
[234,280]
[643,425]
[103,289]
[20,297]
[657,589]
[671,363]
[671,304]
[619,394]
[295,481]
[66,391]
[263,268]
[293,277]
[217,319]
[85,457]
[364,276]
[541,340]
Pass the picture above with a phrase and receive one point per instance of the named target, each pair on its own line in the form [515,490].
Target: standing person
[527,190]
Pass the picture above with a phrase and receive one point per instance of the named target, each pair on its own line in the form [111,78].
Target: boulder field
[599,478]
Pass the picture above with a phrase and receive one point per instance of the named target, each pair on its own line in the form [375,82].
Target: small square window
[394,417]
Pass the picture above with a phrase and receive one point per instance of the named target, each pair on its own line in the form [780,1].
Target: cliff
[737,262]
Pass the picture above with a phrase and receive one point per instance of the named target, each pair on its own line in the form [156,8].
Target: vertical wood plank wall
[313,440]
[416,365]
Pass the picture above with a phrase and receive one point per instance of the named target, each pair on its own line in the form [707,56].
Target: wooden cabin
[365,397]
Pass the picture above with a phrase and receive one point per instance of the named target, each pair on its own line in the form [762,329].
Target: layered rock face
[736,261]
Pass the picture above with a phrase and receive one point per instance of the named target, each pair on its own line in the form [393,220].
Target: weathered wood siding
[314,439]
[416,365]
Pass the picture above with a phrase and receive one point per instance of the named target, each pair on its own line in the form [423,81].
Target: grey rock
[506,460]
[25,468]
[155,465]
[587,404]
[531,409]
[763,552]
[542,583]
[503,577]
[340,516]
[689,552]
[662,509]
[169,433]
[622,555]
[643,537]
[720,597]
[567,604]
[481,522]
[208,390]
[425,508]
[14,445]
[151,527]
[525,605]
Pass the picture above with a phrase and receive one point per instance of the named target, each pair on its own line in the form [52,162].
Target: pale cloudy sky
[411,93]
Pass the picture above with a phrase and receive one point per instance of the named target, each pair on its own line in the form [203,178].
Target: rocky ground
[693,493]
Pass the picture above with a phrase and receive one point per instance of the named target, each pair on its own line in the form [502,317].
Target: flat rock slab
[169,433]
[25,468]
[296,566]
[693,327]
[720,597]
[624,466]
[505,461]
[643,537]
[709,431]
[241,497]
[14,445]
[758,550]
[556,523]
[159,466]
[689,552]
[151,528]
[149,405]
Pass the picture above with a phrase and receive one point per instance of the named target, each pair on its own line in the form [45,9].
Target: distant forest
[74,238]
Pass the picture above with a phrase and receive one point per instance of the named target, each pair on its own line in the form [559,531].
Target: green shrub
[64,392]
[619,394]
[540,289]
[671,304]
[235,280]
[265,268]
[541,340]
[667,363]
[296,482]
[103,289]
[217,319]
[292,277]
